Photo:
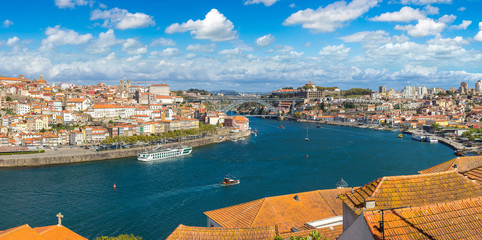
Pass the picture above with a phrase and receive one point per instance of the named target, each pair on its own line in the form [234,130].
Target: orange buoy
[306,155]
[115,186]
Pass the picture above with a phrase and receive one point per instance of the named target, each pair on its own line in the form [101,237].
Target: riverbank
[77,155]
[450,143]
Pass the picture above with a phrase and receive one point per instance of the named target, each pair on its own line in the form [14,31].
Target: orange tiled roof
[464,164]
[203,233]
[58,233]
[21,232]
[474,174]
[412,190]
[284,211]
[330,233]
[453,220]
[40,233]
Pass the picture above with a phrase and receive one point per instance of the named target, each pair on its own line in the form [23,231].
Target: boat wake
[187,190]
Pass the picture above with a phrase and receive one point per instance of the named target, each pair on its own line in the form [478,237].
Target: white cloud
[103,43]
[447,19]
[59,37]
[215,27]
[265,40]
[70,3]
[162,42]
[234,51]
[292,5]
[478,37]
[424,27]
[424,2]
[447,42]
[333,50]
[132,46]
[168,52]
[406,14]
[464,25]
[7,23]
[411,71]
[332,16]
[209,48]
[431,10]
[461,9]
[122,19]
[265,2]
[12,41]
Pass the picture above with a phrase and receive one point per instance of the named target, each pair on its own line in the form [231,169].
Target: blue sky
[244,45]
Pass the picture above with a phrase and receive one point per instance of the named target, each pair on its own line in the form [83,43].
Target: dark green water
[152,199]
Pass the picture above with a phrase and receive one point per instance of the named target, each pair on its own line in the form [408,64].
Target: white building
[160,89]
[22,109]
[478,86]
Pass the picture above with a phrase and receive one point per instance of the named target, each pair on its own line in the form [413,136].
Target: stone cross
[60,216]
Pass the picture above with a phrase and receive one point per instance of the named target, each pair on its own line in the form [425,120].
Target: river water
[152,199]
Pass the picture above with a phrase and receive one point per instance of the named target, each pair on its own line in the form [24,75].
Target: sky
[244,45]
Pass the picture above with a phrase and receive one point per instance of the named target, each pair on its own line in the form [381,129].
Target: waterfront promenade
[69,155]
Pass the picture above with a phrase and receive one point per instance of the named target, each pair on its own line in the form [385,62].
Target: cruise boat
[158,153]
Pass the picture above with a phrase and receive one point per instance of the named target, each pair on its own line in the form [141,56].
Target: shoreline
[69,155]
[452,144]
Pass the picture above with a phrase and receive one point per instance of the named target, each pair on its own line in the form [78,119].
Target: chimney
[370,204]
[297,198]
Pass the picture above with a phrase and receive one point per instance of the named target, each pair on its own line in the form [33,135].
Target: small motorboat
[281,126]
[459,153]
[229,181]
[400,135]
[319,126]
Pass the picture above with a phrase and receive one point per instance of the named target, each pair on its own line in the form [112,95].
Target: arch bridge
[237,100]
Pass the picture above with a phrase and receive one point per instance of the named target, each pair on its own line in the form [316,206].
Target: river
[152,199]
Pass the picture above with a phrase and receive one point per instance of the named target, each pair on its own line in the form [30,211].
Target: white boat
[420,138]
[431,139]
[307,139]
[158,154]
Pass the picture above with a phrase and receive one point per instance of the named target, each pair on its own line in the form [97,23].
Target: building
[464,88]
[257,233]
[308,211]
[160,89]
[403,192]
[382,89]
[54,232]
[478,86]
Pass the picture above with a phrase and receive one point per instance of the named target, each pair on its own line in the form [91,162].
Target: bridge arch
[239,102]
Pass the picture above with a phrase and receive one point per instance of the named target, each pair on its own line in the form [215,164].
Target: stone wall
[73,156]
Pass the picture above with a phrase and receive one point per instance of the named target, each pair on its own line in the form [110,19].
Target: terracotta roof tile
[330,233]
[21,232]
[463,164]
[412,190]
[58,233]
[284,211]
[204,233]
[452,220]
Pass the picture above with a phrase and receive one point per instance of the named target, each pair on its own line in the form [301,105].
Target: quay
[78,155]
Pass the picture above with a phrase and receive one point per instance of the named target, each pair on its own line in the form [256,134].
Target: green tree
[8,98]
[111,122]
[297,114]
[42,130]
[120,237]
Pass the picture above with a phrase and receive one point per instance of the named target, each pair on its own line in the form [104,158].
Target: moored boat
[400,135]
[158,153]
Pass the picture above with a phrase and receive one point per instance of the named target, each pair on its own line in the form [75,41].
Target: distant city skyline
[244,45]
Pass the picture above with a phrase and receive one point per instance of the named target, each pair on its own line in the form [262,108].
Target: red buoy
[306,155]
[115,186]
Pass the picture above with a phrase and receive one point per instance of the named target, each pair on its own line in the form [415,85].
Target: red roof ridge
[257,212]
